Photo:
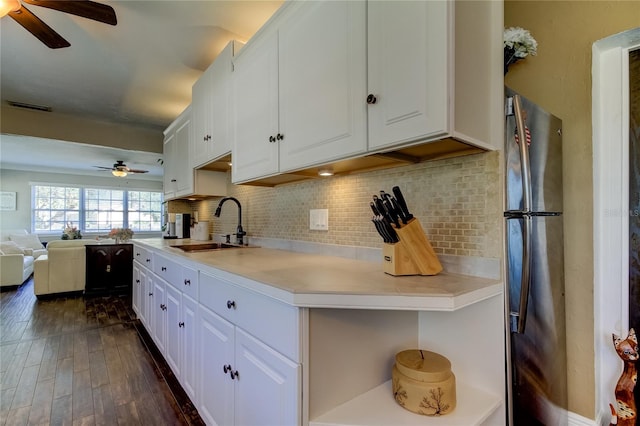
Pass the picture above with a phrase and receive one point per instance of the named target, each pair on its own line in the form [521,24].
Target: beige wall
[52,125]
[559,79]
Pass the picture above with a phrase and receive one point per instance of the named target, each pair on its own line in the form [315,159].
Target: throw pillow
[29,241]
[10,247]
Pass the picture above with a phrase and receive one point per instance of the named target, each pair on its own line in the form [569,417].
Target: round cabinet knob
[173,180]
[234,375]
[181,324]
[231,304]
[150,294]
[226,368]
[371,99]
[272,139]
[137,281]
[187,282]
[279,136]
[164,268]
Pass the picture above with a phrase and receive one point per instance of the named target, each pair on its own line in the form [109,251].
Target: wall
[458,201]
[559,79]
[18,181]
[52,125]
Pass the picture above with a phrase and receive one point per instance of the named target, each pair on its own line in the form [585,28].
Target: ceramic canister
[423,382]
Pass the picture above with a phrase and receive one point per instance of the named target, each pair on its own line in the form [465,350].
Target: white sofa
[18,250]
[63,268]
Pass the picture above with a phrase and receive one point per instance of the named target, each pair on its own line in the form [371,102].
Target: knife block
[412,255]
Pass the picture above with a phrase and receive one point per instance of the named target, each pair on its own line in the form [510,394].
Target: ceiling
[139,72]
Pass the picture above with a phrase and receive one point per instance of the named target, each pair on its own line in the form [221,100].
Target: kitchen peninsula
[304,334]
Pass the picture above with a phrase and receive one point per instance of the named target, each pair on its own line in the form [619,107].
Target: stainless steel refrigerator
[537,361]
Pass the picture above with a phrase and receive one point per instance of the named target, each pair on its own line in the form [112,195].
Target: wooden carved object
[625,414]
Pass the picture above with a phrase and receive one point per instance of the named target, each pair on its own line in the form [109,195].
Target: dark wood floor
[77,361]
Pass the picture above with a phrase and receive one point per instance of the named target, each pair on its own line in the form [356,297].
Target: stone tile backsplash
[458,202]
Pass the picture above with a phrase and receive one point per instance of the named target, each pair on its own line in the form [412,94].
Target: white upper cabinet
[211,96]
[325,81]
[322,90]
[255,85]
[299,91]
[180,179]
[408,71]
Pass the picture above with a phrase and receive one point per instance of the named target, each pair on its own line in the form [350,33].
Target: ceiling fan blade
[103,168]
[137,171]
[38,28]
[83,8]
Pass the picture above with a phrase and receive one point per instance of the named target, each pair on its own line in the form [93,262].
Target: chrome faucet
[239,232]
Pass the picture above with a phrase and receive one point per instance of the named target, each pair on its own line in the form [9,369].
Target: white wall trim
[578,420]
[610,110]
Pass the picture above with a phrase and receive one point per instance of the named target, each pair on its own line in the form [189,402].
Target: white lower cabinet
[244,379]
[189,371]
[173,317]
[216,348]
[267,388]
[158,308]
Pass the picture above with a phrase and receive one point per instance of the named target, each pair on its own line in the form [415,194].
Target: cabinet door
[144,298]
[182,169]
[190,374]
[255,98]
[169,179]
[216,346]
[135,293]
[173,317]
[407,71]
[220,103]
[121,268]
[158,312]
[98,269]
[322,84]
[201,113]
[268,388]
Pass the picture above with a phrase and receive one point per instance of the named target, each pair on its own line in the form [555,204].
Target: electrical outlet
[319,219]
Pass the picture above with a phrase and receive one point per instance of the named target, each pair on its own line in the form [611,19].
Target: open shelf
[378,408]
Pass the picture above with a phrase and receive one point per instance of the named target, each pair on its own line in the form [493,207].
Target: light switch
[319,219]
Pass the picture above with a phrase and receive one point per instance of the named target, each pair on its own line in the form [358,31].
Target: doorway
[616,112]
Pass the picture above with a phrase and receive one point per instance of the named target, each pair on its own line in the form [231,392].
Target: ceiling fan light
[7,6]
[118,173]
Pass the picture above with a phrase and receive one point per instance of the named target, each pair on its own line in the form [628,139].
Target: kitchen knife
[393,236]
[380,206]
[402,203]
[379,229]
[392,207]
[391,212]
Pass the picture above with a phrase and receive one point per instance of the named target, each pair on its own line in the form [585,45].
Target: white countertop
[310,280]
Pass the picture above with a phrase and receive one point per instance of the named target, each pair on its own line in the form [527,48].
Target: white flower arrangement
[518,44]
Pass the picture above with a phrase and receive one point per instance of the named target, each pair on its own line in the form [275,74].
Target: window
[54,207]
[94,209]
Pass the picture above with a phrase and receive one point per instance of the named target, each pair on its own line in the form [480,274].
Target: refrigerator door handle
[519,318]
[525,166]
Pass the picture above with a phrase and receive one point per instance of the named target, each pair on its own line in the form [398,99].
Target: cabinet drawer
[143,256]
[269,320]
[168,270]
[189,282]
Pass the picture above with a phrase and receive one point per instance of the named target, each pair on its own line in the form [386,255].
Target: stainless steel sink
[205,247]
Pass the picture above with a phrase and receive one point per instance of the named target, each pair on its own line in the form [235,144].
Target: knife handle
[402,203]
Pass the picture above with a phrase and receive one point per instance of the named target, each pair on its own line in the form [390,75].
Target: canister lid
[423,365]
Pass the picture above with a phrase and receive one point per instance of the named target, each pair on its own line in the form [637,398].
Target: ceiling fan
[120,169]
[84,8]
